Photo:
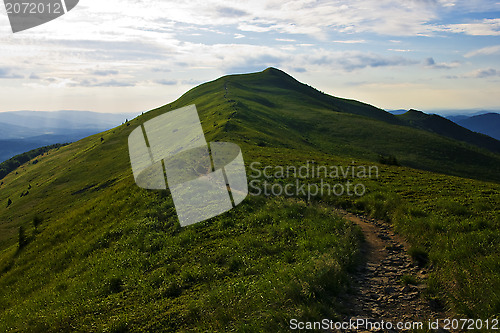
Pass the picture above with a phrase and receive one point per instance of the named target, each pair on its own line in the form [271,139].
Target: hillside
[12,147]
[21,131]
[488,123]
[101,254]
[273,109]
[442,126]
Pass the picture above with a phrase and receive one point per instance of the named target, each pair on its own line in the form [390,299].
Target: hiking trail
[379,292]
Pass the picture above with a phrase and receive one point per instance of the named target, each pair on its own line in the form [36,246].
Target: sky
[134,55]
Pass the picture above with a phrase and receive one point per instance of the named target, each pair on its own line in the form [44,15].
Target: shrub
[115,285]
[409,279]
[22,238]
[419,256]
[37,220]
[388,160]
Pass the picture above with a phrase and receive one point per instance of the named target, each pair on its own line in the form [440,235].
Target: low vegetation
[100,254]
[16,161]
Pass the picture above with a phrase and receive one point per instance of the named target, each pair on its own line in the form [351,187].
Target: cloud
[160,70]
[483,73]
[247,64]
[430,63]
[299,69]
[231,12]
[490,50]
[105,72]
[354,60]
[485,27]
[191,82]
[33,76]
[353,41]
[6,73]
[166,82]
[477,74]
[95,83]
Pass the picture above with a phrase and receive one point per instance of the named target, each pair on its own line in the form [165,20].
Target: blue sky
[134,55]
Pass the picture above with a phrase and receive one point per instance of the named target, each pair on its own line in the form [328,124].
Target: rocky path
[380,293]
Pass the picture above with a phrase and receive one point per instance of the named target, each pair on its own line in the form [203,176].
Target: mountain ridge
[487,123]
[98,253]
[443,126]
[254,104]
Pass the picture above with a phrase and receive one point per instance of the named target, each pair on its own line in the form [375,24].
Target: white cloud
[485,27]
[114,20]
[153,43]
[483,73]
[477,74]
[166,82]
[430,63]
[351,41]
[355,60]
[490,50]
[7,73]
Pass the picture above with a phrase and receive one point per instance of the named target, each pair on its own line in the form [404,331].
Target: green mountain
[488,123]
[439,125]
[273,109]
[82,248]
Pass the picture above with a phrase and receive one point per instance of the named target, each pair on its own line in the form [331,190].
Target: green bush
[22,240]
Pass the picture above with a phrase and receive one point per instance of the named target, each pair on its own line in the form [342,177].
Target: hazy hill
[488,124]
[45,121]
[10,131]
[100,254]
[442,126]
[21,131]
[456,116]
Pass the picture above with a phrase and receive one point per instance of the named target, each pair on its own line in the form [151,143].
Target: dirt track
[379,293]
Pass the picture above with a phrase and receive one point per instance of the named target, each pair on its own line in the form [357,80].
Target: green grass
[109,256]
[253,268]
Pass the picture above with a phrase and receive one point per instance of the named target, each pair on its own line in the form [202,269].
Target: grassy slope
[445,127]
[111,256]
[272,109]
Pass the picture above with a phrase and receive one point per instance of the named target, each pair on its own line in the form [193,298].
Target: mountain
[48,121]
[442,126]
[9,131]
[482,122]
[12,147]
[457,115]
[397,112]
[273,109]
[488,124]
[83,248]
[21,131]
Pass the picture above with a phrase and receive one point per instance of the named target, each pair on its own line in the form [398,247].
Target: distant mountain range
[483,122]
[442,126]
[21,131]
[488,124]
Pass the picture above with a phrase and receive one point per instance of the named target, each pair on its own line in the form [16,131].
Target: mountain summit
[272,109]
[83,248]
